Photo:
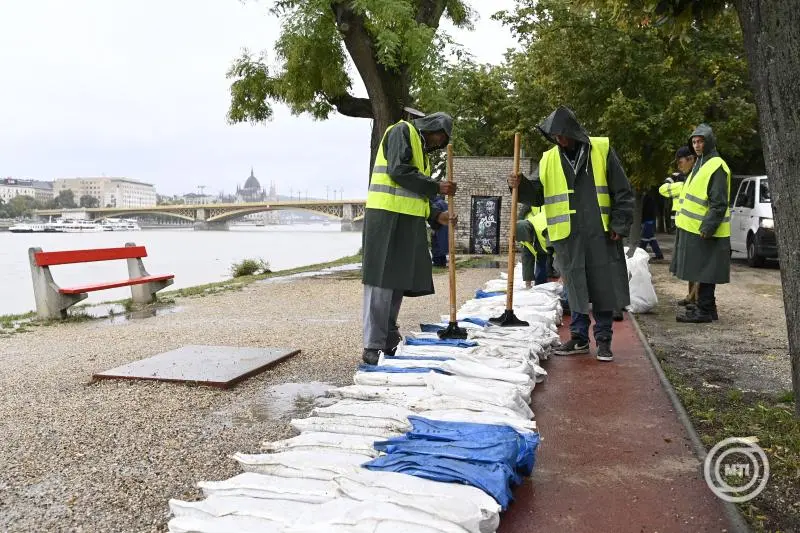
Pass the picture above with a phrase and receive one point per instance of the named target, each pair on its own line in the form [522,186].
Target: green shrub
[249,267]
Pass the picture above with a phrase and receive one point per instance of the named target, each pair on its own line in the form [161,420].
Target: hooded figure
[396,260]
[703,245]
[585,235]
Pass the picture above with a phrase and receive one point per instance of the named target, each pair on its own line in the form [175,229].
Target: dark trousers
[649,238]
[706,300]
[540,269]
[579,328]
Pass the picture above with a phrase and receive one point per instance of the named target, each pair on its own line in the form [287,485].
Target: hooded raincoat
[697,259]
[395,246]
[593,266]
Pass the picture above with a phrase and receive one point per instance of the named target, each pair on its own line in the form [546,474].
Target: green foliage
[20,206]
[395,41]
[636,84]
[249,267]
[87,201]
[65,199]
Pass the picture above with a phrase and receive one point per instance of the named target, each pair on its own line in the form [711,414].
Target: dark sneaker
[695,316]
[392,342]
[573,347]
[371,357]
[617,316]
[713,312]
[604,352]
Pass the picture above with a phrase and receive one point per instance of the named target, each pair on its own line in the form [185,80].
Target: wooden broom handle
[512,231]
[451,237]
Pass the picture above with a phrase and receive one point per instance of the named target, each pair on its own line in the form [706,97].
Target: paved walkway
[614,456]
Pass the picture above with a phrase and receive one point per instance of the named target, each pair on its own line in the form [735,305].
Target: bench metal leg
[49,302]
[146,292]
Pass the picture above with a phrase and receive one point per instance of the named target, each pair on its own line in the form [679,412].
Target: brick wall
[483,176]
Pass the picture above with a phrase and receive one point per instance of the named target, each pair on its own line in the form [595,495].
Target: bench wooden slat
[113,284]
[69,257]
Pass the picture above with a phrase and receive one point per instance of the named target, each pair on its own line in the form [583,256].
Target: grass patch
[10,321]
[249,267]
[718,414]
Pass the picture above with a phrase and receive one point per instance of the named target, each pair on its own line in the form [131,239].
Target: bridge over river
[217,216]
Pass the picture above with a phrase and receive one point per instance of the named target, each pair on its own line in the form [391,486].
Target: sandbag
[643,294]
[323,441]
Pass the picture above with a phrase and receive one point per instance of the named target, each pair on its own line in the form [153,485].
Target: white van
[752,224]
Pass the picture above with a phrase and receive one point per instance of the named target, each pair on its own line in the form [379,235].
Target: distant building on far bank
[110,192]
[41,191]
[252,192]
[199,199]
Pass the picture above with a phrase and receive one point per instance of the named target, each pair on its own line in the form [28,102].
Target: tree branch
[430,12]
[351,106]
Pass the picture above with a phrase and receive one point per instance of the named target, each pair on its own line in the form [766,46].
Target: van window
[763,193]
[745,198]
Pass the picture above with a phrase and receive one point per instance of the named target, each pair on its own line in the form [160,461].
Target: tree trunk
[772,44]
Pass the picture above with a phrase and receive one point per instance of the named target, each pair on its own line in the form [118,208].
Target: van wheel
[753,259]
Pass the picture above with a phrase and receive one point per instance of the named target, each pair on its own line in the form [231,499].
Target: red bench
[53,301]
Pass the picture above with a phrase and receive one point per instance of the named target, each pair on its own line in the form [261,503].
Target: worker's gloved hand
[444,218]
[669,180]
[447,187]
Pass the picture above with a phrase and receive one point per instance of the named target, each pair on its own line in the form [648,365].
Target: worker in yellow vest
[589,206]
[684,160]
[395,257]
[703,244]
[532,235]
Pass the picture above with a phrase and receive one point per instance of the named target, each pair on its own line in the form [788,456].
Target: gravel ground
[79,455]
[747,348]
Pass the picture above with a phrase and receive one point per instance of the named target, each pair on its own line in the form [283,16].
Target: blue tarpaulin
[456,343]
[490,457]
[418,358]
[401,370]
[483,294]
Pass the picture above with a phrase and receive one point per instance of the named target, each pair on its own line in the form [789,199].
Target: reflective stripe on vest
[673,191]
[694,200]
[556,192]
[384,193]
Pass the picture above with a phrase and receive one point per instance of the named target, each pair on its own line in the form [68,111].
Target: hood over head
[705,131]
[436,122]
[562,121]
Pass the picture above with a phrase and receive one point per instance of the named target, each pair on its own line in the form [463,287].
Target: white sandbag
[643,294]
[365,526]
[462,415]
[476,370]
[321,441]
[364,408]
[392,395]
[345,511]
[437,402]
[284,512]
[270,487]
[350,425]
[524,391]
[449,508]
[461,388]
[521,366]
[224,524]
[420,487]
[378,379]
[295,463]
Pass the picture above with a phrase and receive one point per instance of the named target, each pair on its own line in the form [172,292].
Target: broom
[452,331]
[508,318]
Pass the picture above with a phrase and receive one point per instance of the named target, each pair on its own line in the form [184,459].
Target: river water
[195,257]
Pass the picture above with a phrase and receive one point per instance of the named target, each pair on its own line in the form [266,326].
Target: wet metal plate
[218,366]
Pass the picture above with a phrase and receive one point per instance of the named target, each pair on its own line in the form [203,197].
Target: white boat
[115,224]
[78,226]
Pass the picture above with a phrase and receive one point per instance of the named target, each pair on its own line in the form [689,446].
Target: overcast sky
[138,89]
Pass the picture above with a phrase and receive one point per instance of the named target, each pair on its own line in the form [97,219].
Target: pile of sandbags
[432,439]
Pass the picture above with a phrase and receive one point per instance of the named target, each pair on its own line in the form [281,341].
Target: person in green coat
[589,205]
[396,261]
[703,245]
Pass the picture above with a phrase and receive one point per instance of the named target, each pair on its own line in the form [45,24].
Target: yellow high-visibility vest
[539,223]
[384,193]
[556,192]
[673,191]
[694,200]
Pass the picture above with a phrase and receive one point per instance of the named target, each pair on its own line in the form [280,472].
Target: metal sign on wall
[484,237]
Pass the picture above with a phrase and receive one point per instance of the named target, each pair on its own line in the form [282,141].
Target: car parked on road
[752,223]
